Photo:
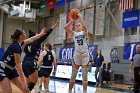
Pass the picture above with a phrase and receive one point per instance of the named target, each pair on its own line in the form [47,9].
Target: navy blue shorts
[2,77]
[11,74]
[45,72]
[28,68]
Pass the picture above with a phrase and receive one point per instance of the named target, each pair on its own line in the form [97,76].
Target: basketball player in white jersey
[81,55]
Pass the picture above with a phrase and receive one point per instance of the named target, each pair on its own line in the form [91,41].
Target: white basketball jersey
[80,41]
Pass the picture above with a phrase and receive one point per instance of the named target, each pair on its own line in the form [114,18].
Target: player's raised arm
[40,59]
[56,23]
[83,23]
[33,38]
[52,27]
[67,26]
[85,27]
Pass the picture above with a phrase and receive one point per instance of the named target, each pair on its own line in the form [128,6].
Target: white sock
[70,91]
[84,91]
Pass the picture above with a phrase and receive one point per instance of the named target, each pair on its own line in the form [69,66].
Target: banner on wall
[130,50]
[59,3]
[89,19]
[63,19]
[131,19]
[42,7]
[68,1]
[68,53]
[61,73]
[100,17]
[54,49]
[93,51]
[51,4]
[1,52]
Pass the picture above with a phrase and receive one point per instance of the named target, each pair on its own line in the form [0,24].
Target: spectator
[99,61]
[135,63]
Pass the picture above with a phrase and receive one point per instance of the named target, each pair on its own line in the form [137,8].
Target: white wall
[11,24]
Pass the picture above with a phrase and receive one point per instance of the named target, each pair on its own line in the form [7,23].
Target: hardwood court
[62,87]
[14,89]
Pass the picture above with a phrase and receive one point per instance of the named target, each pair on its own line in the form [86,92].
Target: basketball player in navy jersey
[47,59]
[10,63]
[32,52]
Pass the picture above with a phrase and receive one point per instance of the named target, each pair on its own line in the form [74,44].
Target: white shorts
[81,58]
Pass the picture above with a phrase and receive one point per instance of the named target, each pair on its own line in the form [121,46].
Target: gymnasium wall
[116,37]
[11,24]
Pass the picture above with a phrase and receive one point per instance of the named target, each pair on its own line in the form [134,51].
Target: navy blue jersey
[8,56]
[99,61]
[32,50]
[48,59]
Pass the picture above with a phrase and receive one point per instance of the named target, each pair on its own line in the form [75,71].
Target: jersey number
[29,48]
[49,57]
[80,42]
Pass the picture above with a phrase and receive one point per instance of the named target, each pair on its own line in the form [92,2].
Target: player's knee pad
[74,74]
[85,74]
[31,86]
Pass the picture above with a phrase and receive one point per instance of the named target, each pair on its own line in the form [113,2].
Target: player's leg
[73,76]
[27,80]
[17,81]
[38,86]
[25,69]
[40,81]
[47,73]
[4,82]
[33,80]
[75,67]
[13,76]
[31,73]
[6,86]
[85,65]
[85,77]
[46,83]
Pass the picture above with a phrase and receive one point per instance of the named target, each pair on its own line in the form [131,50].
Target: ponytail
[49,46]
[15,36]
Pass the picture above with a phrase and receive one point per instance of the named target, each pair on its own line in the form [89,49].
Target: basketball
[73,13]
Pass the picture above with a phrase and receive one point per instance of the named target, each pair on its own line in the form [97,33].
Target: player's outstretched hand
[72,20]
[56,23]
[79,15]
[43,31]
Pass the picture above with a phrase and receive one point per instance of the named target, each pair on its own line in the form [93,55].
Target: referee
[135,63]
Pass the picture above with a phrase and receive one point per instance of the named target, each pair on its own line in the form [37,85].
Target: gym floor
[61,86]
